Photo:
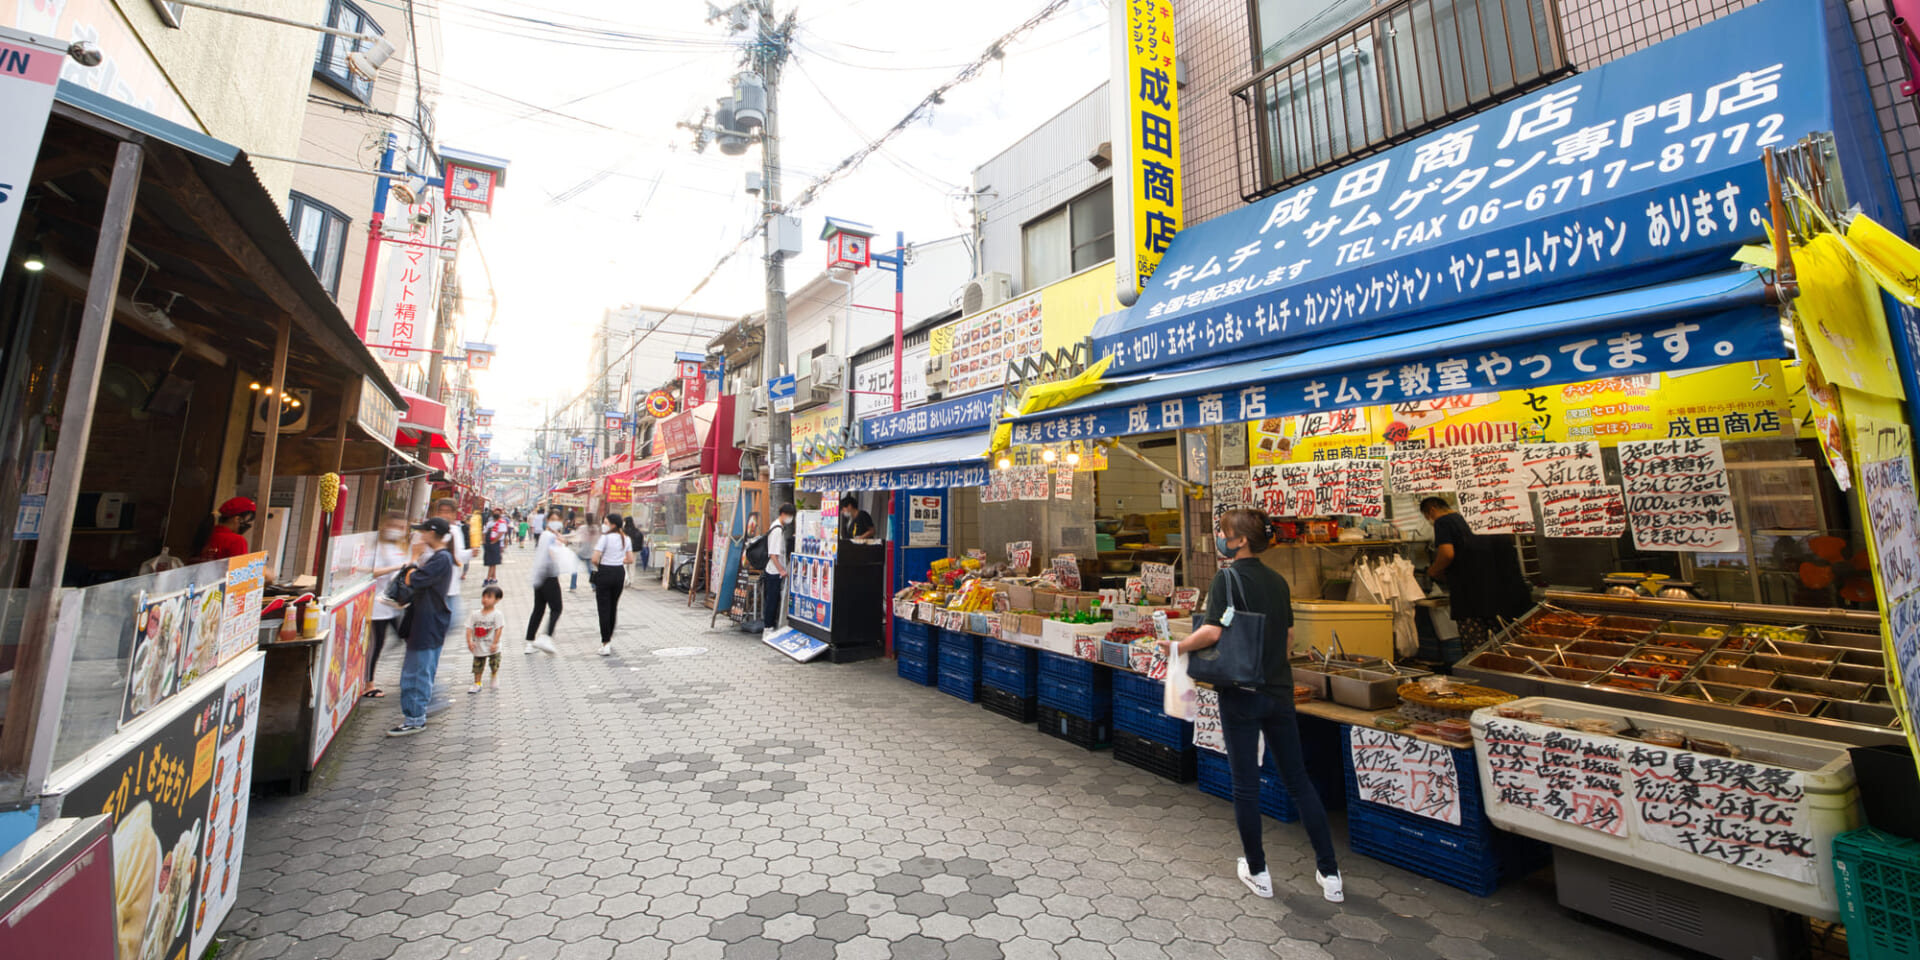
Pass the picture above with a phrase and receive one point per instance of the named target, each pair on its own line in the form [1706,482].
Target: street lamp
[364,64]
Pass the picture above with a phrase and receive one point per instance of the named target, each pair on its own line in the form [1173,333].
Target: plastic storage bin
[1019,681]
[1007,704]
[1173,763]
[1878,878]
[1094,701]
[1086,732]
[908,646]
[959,682]
[1071,668]
[1151,722]
[1137,687]
[917,669]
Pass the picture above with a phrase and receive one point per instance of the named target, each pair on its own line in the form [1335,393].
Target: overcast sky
[606,203]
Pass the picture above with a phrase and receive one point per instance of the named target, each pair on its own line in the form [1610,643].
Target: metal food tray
[1828,684]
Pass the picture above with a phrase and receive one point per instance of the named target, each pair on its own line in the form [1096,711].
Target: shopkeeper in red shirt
[227,539]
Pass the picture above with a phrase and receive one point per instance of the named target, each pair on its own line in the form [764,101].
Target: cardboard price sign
[1157,578]
[1678,498]
[1405,774]
[1066,568]
[1020,555]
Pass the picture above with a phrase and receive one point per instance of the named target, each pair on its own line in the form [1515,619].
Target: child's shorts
[494,659]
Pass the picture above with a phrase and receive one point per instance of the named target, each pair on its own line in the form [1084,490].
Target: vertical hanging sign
[408,312]
[28,75]
[1146,144]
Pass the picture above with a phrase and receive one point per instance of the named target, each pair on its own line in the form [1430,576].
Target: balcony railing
[1390,76]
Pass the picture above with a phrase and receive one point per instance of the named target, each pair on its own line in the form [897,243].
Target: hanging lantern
[616,421]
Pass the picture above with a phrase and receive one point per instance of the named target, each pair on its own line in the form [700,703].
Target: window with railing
[1398,71]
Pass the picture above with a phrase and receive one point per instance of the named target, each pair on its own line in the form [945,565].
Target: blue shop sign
[964,414]
[1646,168]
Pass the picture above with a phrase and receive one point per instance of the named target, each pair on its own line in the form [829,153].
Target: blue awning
[1703,322]
[927,465]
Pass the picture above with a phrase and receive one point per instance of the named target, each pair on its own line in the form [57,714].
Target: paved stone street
[733,804]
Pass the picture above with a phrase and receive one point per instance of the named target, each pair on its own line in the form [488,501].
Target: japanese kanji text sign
[407,317]
[1645,167]
[1147,157]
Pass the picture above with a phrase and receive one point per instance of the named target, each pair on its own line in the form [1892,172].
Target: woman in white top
[609,576]
[388,558]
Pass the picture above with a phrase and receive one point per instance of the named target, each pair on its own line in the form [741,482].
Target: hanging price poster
[1678,497]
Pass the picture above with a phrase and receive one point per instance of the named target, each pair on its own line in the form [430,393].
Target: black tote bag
[1240,658]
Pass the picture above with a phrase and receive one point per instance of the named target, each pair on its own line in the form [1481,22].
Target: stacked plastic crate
[917,654]
[1473,855]
[1009,680]
[1076,700]
[1321,743]
[959,667]
[1143,735]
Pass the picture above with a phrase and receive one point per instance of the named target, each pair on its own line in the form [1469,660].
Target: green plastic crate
[1877,878]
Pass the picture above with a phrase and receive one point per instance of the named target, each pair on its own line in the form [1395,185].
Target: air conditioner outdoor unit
[985,290]
[756,438]
[936,370]
[828,369]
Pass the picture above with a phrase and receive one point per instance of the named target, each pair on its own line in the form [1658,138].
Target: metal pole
[769,54]
[899,314]
[363,307]
[26,737]
[270,442]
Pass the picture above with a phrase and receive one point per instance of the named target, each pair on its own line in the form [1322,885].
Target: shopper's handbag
[399,591]
[1239,659]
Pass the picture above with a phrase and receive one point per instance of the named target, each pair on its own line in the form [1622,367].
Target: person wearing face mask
[552,559]
[228,538]
[1244,584]
[388,559]
[609,576]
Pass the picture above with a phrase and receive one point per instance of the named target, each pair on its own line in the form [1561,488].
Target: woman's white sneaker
[1260,883]
[1333,888]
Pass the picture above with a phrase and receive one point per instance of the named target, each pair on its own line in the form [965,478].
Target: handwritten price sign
[1735,811]
[1560,774]
[1405,773]
[1678,498]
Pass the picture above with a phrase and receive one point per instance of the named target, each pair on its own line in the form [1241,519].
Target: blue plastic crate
[1474,856]
[917,669]
[1150,722]
[960,640]
[1072,668]
[1080,699]
[959,659]
[959,684]
[995,673]
[911,628]
[1011,653]
[908,646]
[1216,778]
[1134,686]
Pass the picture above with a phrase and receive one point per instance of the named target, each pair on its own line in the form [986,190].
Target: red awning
[407,439]
[581,485]
[644,473]
[422,412]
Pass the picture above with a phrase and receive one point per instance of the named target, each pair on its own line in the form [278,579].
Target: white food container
[1832,801]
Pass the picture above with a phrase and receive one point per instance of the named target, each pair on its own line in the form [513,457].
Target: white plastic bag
[1182,697]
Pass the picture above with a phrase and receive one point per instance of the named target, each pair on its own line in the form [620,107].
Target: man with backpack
[775,568]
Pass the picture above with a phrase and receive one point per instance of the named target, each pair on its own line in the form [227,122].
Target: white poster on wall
[874,379]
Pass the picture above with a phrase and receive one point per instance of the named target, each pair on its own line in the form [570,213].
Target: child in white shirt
[483,636]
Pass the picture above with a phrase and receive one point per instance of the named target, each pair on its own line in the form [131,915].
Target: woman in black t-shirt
[1246,584]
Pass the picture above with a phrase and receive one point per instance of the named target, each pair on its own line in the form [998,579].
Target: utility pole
[770,55]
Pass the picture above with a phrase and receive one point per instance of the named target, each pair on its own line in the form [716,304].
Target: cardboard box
[1032,624]
[1139,615]
[1019,596]
[1055,642]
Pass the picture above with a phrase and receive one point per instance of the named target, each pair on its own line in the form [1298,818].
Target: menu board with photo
[1678,496]
[986,342]
[160,797]
[343,666]
[176,639]
[240,624]
[227,807]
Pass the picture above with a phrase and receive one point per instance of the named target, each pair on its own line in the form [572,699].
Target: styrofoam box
[1832,802]
[1058,636]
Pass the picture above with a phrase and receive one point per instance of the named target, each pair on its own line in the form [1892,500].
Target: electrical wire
[995,51]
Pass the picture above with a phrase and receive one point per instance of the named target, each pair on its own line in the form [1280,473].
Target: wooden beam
[214,219]
[271,439]
[26,738]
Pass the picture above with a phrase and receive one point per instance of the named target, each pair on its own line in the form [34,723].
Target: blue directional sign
[780,393]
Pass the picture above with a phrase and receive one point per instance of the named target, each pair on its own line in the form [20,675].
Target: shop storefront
[1697,466]
[130,675]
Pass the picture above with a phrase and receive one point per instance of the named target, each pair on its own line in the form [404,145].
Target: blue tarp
[927,465]
[1668,328]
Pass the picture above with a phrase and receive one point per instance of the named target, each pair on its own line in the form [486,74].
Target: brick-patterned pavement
[735,804]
